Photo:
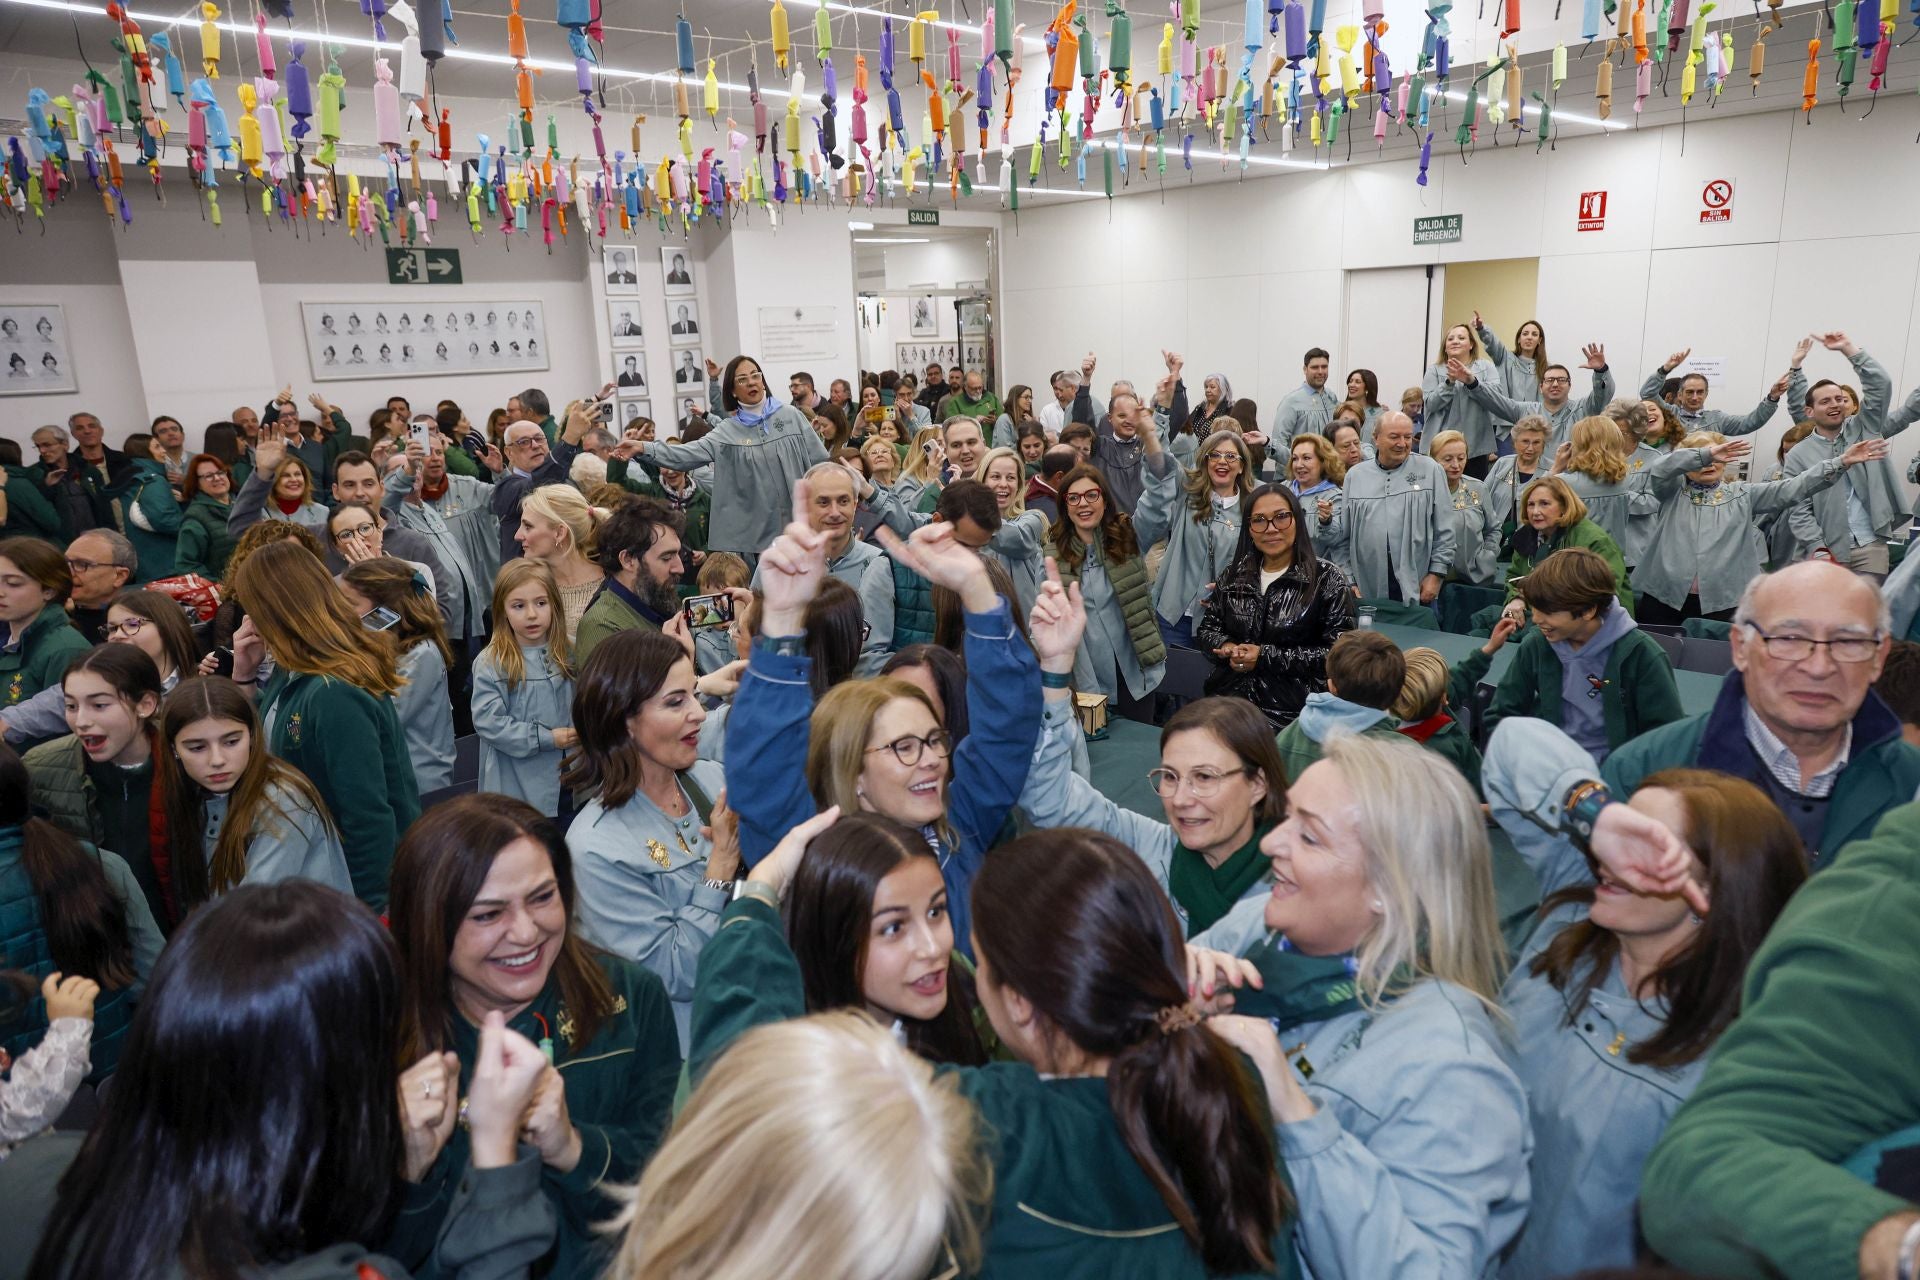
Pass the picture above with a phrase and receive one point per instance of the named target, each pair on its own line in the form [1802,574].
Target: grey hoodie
[1584,717]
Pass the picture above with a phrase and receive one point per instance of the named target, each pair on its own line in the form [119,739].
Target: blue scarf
[757,417]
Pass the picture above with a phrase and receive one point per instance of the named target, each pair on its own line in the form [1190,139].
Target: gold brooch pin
[658,852]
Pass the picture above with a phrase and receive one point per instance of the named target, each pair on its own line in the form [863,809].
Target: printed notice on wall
[1712,368]
[799,334]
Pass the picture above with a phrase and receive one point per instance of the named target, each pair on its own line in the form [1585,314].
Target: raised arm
[1600,395]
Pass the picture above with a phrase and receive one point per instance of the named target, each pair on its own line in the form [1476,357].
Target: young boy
[1585,666]
[1430,689]
[1364,673]
[715,647]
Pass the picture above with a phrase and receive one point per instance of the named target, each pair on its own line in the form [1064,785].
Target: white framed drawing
[689,372]
[630,373]
[683,322]
[348,340]
[676,268]
[617,268]
[34,350]
[923,311]
[625,325]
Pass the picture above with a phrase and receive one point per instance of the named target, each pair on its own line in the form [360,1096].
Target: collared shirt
[634,602]
[1785,766]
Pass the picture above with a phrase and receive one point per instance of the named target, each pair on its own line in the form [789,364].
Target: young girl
[97,782]
[242,816]
[425,711]
[523,689]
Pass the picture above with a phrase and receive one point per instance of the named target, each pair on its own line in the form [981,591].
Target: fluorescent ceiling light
[893,240]
[859,226]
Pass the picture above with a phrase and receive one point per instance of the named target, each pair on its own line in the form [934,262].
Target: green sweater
[1748,1180]
[29,514]
[1585,534]
[1298,750]
[41,656]
[349,743]
[205,542]
[606,615]
[1640,693]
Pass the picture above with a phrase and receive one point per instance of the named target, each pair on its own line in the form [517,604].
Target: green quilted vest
[912,607]
[1135,593]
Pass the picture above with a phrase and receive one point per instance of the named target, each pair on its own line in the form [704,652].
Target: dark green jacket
[1134,591]
[1443,736]
[1298,751]
[40,658]
[1640,695]
[1882,770]
[349,743]
[1070,1202]
[619,1095]
[1584,534]
[29,514]
[695,514]
[913,615]
[204,543]
[149,497]
[606,615]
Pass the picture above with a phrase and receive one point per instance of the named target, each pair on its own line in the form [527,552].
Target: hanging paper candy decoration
[1510,19]
[333,97]
[377,10]
[1810,84]
[162,47]
[1603,87]
[250,153]
[210,41]
[299,86]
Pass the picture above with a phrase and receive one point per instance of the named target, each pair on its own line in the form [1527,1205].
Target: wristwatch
[1581,811]
[758,890]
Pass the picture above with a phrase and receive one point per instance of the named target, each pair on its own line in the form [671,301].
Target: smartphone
[602,411]
[927,448]
[715,610]
[875,414]
[380,618]
[421,433]
[223,662]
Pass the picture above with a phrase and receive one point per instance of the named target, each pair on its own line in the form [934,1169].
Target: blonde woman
[882,459]
[1381,961]
[1447,405]
[1476,533]
[816,1147]
[1553,517]
[1317,473]
[1198,514]
[279,488]
[557,528]
[1594,464]
[925,454]
[1020,543]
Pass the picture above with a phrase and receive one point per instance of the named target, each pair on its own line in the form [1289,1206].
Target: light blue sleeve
[1528,769]
[1600,395]
[1665,477]
[494,721]
[1797,394]
[634,908]
[1153,518]
[876,606]
[1237,931]
[1054,797]
[295,842]
[44,715]
[1876,397]
[894,513]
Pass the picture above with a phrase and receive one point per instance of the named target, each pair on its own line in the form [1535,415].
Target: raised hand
[1174,361]
[937,555]
[320,405]
[1730,450]
[1086,365]
[1677,359]
[1457,369]
[723,860]
[1864,451]
[428,1110]
[1800,350]
[1834,340]
[713,369]
[1779,387]
[1502,632]
[792,569]
[1644,854]
[1058,620]
[69,997]
[507,1072]
[1476,321]
[777,868]
[1562,456]
[1596,355]
[268,454]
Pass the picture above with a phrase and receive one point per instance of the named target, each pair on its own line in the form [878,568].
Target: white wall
[1240,279]
[939,264]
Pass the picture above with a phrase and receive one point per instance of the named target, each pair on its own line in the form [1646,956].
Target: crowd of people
[781,923]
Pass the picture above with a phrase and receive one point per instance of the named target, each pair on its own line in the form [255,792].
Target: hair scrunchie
[1178,1017]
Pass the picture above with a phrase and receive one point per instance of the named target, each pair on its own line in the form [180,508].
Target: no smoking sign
[1716,201]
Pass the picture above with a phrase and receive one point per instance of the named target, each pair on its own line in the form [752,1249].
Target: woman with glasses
[1554,519]
[149,621]
[205,541]
[1276,613]
[1703,550]
[1122,655]
[877,745]
[756,453]
[1199,516]
[1220,781]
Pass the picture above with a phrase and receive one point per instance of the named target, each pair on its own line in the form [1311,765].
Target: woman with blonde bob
[1316,470]
[1020,542]
[290,496]
[328,707]
[1380,957]
[817,1147]
[557,527]
[1596,469]
[1476,529]
[1199,514]
[1554,517]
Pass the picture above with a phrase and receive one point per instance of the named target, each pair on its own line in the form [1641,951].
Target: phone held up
[715,610]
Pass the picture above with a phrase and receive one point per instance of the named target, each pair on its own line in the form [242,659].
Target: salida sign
[1716,201]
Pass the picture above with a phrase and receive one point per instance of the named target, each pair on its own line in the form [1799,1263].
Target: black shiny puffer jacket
[1293,627]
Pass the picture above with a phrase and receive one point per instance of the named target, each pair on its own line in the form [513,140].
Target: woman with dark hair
[36,640]
[1007,428]
[328,707]
[868,922]
[70,909]
[483,913]
[830,421]
[1523,367]
[756,452]
[656,847]
[938,672]
[1130,1135]
[1620,994]
[236,814]
[1122,654]
[1363,390]
[222,1152]
[422,704]
[205,540]
[227,442]
[835,632]
[1220,781]
[1276,612]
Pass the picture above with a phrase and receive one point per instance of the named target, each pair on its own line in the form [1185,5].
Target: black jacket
[1293,629]
[511,488]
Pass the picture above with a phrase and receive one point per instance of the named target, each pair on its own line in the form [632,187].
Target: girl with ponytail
[1129,1137]
[420,634]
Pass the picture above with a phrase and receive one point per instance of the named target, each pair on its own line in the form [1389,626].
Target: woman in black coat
[1275,612]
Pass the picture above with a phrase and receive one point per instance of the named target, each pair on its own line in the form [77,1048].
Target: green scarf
[1206,892]
[1298,989]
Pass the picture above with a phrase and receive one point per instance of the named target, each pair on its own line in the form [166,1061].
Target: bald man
[1397,520]
[1798,718]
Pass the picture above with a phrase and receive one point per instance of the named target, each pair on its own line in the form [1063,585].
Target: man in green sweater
[973,400]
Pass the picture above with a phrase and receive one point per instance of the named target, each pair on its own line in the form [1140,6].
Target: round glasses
[127,628]
[1800,648]
[1086,499]
[909,750]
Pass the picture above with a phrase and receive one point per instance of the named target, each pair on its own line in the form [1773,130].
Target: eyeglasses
[358,531]
[1086,499]
[1204,783]
[84,566]
[1800,648]
[208,477]
[909,749]
[1223,455]
[127,628]
[1278,520]
[1554,378]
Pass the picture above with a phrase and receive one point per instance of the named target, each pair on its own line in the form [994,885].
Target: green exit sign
[923,217]
[1444,229]
[423,266]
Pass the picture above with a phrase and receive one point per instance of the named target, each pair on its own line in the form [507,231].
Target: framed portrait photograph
[348,340]
[630,373]
[923,312]
[676,268]
[34,351]
[629,411]
[617,268]
[624,323]
[683,322]
[689,372]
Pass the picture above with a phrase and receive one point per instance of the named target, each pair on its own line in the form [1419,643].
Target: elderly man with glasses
[528,464]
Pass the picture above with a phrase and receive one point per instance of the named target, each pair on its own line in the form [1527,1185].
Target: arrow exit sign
[423,266]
